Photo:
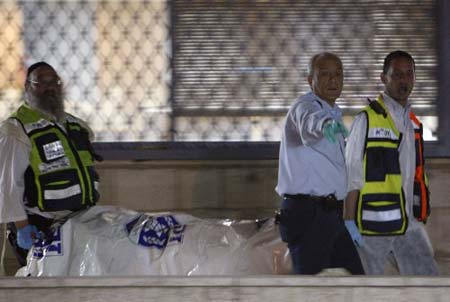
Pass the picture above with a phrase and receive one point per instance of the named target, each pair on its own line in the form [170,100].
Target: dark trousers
[43,224]
[317,237]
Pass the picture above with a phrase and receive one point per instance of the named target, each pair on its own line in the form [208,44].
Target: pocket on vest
[382,213]
[380,162]
[50,147]
[61,190]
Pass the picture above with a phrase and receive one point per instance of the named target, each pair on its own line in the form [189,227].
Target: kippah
[37,65]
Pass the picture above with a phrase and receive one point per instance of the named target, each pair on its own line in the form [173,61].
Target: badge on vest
[53,150]
[384,133]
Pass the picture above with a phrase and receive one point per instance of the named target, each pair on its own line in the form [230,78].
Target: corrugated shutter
[250,57]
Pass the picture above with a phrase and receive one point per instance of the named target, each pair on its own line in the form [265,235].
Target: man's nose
[334,78]
[401,76]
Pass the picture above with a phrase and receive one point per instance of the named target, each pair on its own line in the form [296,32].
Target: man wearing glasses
[46,171]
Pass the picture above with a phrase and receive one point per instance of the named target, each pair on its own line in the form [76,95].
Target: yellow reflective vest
[381,202]
[61,175]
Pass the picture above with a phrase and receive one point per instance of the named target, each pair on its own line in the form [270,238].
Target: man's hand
[354,232]
[331,128]
[342,129]
[26,236]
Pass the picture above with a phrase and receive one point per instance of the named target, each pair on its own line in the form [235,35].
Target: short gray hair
[318,56]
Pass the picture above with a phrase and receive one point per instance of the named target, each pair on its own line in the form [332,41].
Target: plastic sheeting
[108,241]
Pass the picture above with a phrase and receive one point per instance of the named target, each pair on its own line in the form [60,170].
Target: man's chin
[403,95]
[333,96]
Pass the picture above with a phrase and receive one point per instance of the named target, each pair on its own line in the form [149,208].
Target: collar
[400,114]
[394,106]
[324,103]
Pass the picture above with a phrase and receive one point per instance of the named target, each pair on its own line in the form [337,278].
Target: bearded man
[47,162]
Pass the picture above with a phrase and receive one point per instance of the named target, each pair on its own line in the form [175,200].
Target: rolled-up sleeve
[354,153]
[14,153]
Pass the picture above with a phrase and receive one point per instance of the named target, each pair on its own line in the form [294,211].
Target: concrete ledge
[219,281]
[252,288]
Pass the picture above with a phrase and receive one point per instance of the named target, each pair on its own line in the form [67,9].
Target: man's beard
[49,103]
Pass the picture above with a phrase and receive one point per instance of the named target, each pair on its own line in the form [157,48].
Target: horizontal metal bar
[143,151]
[187,150]
[179,111]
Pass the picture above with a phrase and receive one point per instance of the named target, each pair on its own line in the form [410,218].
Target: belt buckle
[331,197]
[329,202]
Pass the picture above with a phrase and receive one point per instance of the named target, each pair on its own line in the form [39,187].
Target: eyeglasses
[52,82]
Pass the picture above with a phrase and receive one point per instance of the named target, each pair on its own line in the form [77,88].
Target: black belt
[329,202]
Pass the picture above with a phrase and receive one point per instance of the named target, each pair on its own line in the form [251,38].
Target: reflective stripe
[96,185]
[381,216]
[56,165]
[37,125]
[63,193]
[385,133]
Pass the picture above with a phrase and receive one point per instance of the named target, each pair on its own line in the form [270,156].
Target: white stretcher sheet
[110,241]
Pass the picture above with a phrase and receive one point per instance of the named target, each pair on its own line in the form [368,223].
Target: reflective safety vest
[61,174]
[381,203]
[421,199]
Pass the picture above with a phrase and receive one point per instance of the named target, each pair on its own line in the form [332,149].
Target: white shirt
[15,148]
[354,153]
[308,163]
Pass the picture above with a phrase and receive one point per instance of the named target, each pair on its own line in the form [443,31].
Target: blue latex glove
[332,128]
[354,232]
[27,235]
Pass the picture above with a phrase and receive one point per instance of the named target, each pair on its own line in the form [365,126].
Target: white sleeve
[14,154]
[309,119]
[354,153]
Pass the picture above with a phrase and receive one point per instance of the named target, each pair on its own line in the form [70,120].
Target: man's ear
[309,78]
[383,77]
